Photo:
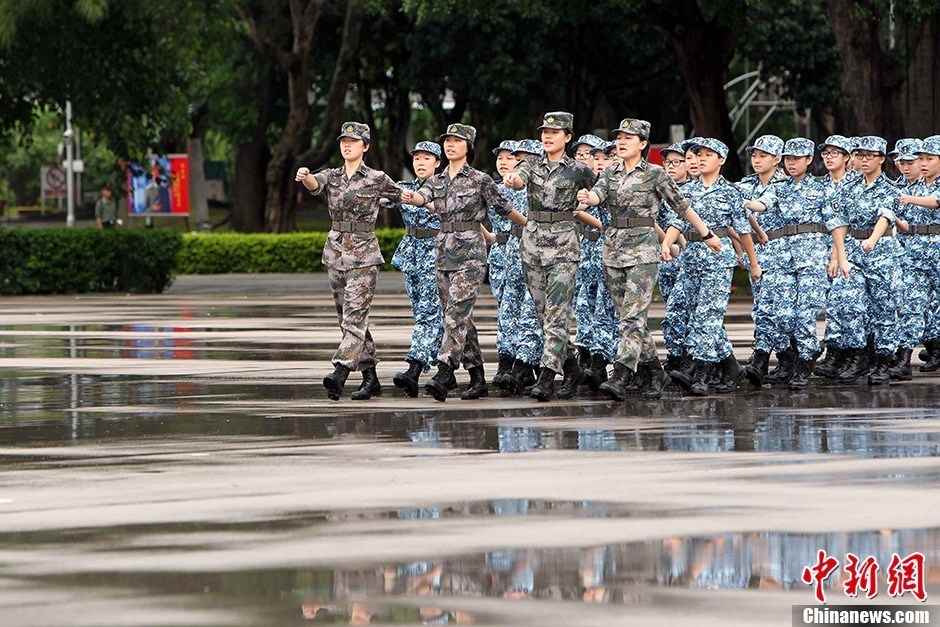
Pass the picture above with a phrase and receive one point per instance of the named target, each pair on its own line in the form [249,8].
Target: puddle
[435,590]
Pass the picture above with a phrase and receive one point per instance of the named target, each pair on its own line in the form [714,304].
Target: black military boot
[756,371]
[573,377]
[700,374]
[784,370]
[800,378]
[520,377]
[613,387]
[597,373]
[477,388]
[854,366]
[441,383]
[334,382]
[730,374]
[584,358]
[672,363]
[544,388]
[654,378]
[501,378]
[408,379]
[370,386]
[932,363]
[902,367]
[831,363]
[879,373]
[684,375]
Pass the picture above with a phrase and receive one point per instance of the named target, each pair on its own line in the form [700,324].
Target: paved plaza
[173,460]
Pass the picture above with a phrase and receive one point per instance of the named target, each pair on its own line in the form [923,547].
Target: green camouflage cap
[561,120]
[632,126]
[460,131]
[355,130]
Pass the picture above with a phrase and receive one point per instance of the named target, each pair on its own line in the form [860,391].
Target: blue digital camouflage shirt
[719,205]
[516,199]
[860,206]
[413,254]
[806,201]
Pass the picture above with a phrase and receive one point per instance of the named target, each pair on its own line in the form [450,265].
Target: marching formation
[578,242]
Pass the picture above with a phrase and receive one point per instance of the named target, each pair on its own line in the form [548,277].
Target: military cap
[605,147]
[771,144]
[854,141]
[676,148]
[838,141]
[506,144]
[591,141]
[688,143]
[799,147]
[530,146]
[712,144]
[871,143]
[561,120]
[906,149]
[432,147]
[355,130]
[632,126]
[460,131]
[930,146]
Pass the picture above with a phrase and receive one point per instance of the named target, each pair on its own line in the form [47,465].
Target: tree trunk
[249,190]
[920,99]
[703,52]
[198,192]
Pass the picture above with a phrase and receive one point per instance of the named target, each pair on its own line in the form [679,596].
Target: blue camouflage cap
[676,148]
[711,143]
[530,146]
[606,147]
[839,141]
[872,143]
[506,144]
[688,143]
[771,144]
[906,149]
[591,141]
[429,147]
[799,147]
[930,146]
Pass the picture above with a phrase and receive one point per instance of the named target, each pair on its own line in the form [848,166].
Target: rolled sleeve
[602,186]
[524,170]
[389,189]
[738,216]
[322,178]
[494,199]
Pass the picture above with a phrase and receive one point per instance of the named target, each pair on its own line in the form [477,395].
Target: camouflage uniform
[461,203]
[415,257]
[696,308]
[669,270]
[795,278]
[550,249]
[351,253]
[631,248]
[866,298]
[921,262]
[751,188]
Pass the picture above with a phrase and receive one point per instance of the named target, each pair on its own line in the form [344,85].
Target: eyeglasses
[864,156]
[673,162]
[832,153]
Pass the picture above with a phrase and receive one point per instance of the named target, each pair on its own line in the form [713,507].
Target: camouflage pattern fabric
[459,290]
[695,313]
[552,289]
[632,291]
[352,292]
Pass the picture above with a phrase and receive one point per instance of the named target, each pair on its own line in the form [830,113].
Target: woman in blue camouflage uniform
[696,309]
[924,250]
[595,323]
[676,168]
[415,258]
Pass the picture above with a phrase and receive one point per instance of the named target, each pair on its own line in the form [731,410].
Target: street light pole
[69,156]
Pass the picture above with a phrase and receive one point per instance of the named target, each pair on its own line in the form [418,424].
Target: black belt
[421,233]
[551,216]
[591,234]
[456,227]
[923,229]
[503,236]
[629,223]
[796,229]
[348,226]
[719,232]
[865,233]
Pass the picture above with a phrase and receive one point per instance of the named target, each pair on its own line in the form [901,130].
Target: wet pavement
[169,460]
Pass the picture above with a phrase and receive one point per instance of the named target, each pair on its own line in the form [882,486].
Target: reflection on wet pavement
[430,590]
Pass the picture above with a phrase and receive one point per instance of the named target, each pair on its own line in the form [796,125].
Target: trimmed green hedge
[57,261]
[221,253]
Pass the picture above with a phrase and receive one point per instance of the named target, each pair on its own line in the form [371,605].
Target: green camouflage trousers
[458,290]
[632,291]
[552,288]
[352,293]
